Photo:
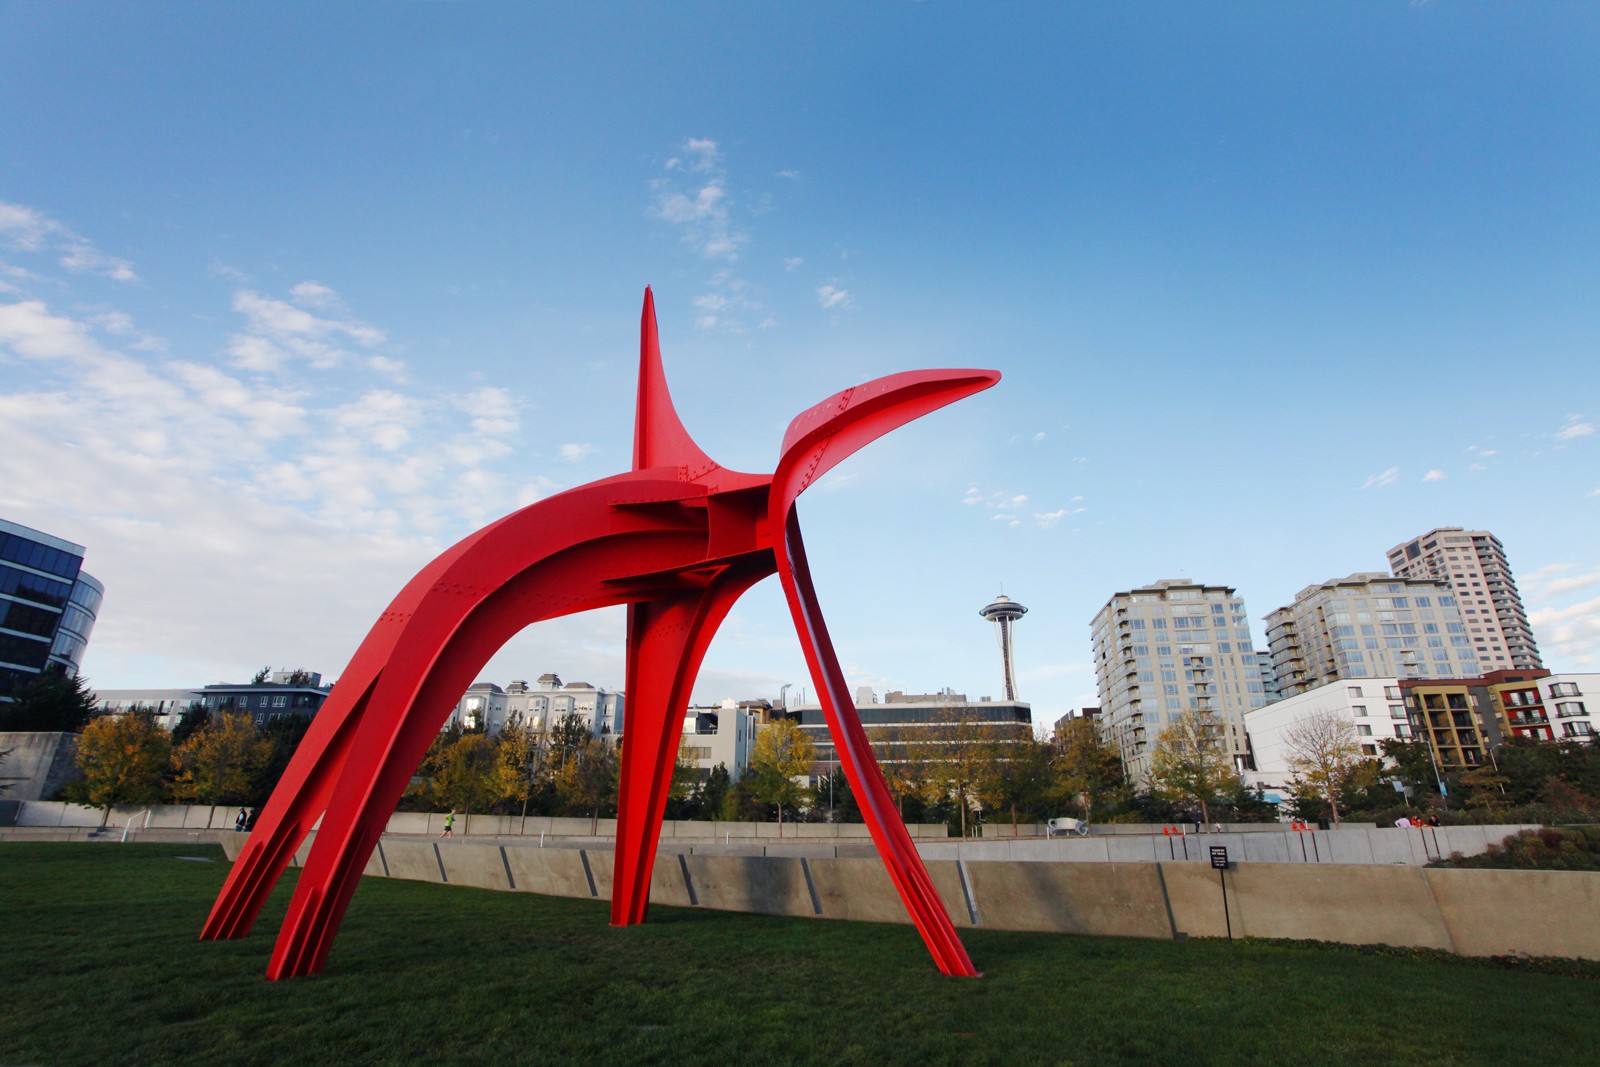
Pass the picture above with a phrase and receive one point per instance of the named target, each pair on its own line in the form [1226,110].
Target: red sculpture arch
[678,539]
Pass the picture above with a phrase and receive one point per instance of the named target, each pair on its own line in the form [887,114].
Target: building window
[281,701]
[1569,709]
[1564,689]
[1354,690]
[1364,730]
[1359,709]
[1369,750]
[1577,729]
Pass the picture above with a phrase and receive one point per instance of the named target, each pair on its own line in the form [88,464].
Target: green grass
[98,948]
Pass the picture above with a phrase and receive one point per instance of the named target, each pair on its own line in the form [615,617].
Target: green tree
[781,755]
[283,734]
[193,718]
[53,701]
[587,782]
[1089,774]
[261,676]
[1324,758]
[713,792]
[1022,779]
[124,760]
[568,736]
[219,764]
[1412,762]
[1191,762]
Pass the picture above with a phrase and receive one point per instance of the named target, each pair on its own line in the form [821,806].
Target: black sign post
[1219,862]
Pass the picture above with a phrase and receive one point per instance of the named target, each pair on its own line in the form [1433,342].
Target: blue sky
[293,296]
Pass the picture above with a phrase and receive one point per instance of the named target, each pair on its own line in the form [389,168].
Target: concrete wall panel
[1533,913]
[407,822]
[1350,904]
[1118,900]
[1345,846]
[554,872]
[474,864]
[1135,849]
[601,862]
[761,884]
[1270,848]
[1390,845]
[415,860]
[1195,897]
[862,890]
[487,825]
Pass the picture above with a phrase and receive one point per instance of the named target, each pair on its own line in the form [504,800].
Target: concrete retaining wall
[1545,913]
[37,765]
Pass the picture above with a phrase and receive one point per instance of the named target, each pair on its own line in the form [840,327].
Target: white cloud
[28,230]
[701,211]
[1575,428]
[572,453]
[792,262]
[1435,476]
[1050,518]
[830,296]
[1384,480]
[1569,634]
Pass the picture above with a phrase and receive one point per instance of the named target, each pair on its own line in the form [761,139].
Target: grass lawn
[101,963]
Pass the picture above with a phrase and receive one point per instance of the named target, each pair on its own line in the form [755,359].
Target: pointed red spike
[659,439]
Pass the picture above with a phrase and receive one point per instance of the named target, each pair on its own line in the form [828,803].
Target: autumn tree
[462,774]
[1089,775]
[1325,759]
[517,761]
[218,763]
[124,760]
[1191,761]
[781,755]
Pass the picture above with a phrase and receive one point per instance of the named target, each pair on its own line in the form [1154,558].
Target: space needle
[1003,612]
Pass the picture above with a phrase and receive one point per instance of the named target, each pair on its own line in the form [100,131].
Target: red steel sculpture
[678,539]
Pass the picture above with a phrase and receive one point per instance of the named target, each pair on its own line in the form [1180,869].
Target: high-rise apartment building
[1166,648]
[47,605]
[1369,625]
[1473,563]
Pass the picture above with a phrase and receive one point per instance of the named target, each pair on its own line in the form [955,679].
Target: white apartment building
[1376,707]
[1473,563]
[723,734]
[1168,647]
[486,706]
[1464,720]
[1369,625]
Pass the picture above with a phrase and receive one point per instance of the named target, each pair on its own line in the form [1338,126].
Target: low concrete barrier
[1471,912]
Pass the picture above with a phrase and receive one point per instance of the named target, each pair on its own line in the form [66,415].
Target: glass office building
[47,605]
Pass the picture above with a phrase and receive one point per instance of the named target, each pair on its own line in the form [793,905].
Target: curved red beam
[678,539]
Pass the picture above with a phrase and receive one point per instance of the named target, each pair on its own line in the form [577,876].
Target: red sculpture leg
[307,782]
[883,821]
[480,601]
[667,642]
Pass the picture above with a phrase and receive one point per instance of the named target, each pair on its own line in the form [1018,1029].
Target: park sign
[1219,857]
